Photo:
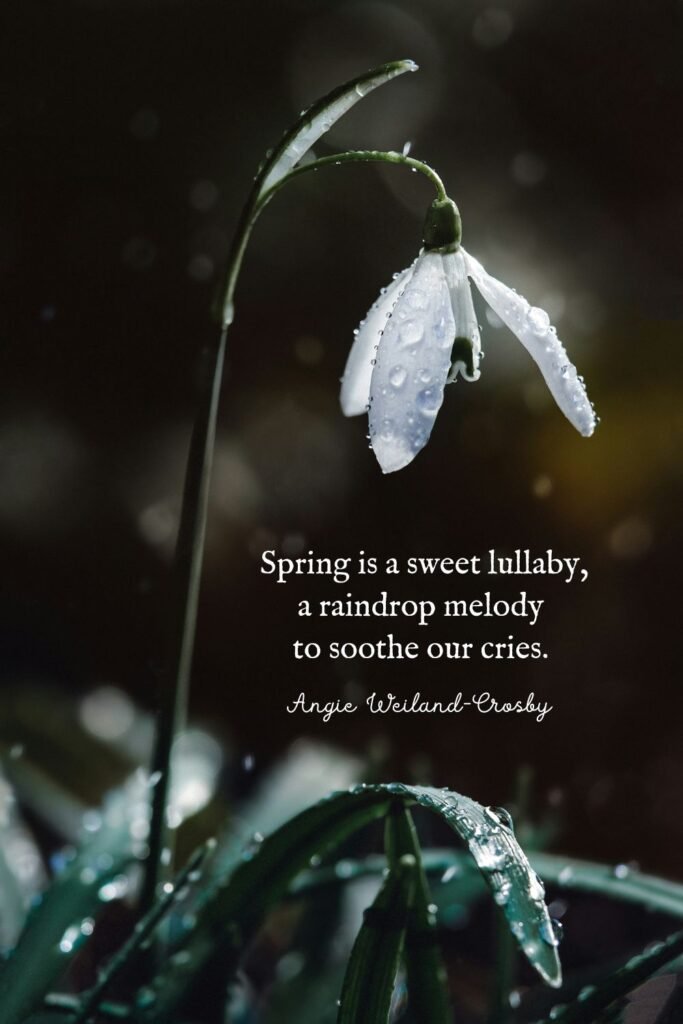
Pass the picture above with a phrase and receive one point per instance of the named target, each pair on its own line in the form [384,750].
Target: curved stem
[258,200]
[192,528]
[364,156]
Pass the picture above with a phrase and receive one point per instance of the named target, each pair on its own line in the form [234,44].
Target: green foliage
[424,966]
[63,919]
[399,928]
[594,1000]
[378,949]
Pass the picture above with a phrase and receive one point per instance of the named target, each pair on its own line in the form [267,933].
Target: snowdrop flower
[422,333]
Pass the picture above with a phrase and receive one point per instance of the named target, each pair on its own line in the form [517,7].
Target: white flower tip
[351,404]
[392,455]
[587,427]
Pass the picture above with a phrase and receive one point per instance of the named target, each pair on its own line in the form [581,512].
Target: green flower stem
[185,595]
[360,156]
[143,930]
[189,552]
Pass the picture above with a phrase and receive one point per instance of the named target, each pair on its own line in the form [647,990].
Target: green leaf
[319,118]
[427,991]
[376,954]
[516,887]
[63,920]
[234,909]
[620,883]
[594,1000]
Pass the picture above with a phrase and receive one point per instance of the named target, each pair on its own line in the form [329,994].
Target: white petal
[532,326]
[355,389]
[466,325]
[413,360]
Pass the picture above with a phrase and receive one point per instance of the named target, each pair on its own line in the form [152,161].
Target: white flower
[422,332]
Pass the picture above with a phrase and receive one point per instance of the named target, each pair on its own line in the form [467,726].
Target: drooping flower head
[422,332]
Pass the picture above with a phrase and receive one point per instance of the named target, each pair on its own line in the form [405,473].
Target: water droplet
[440,333]
[146,998]
[69,938]
[515,999]
[429,401]
[114,889]
[621,871]
[416,299]
[91,821]
[386,430]
[500,816]
[490,855]
[412,331]
[551,931]
[539,319]
[566,874]
[450,873]
[397,377]
[536,887]
[502,893]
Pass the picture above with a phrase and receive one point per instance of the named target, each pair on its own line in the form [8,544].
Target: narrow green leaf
[233,909]
[460,881]
[427,992]
[596,999]
[376,954]
[63,920]
[657,1001]
[143,929]
[319,118]
[516,887]
[620,882]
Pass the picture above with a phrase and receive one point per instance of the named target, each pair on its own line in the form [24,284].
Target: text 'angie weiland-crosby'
[484,703]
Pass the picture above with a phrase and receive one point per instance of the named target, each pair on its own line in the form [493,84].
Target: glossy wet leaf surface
[321,116]
[233,910]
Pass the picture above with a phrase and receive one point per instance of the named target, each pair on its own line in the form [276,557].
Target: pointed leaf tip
[320,117]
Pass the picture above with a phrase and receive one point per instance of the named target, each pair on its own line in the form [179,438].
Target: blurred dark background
[131,132]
